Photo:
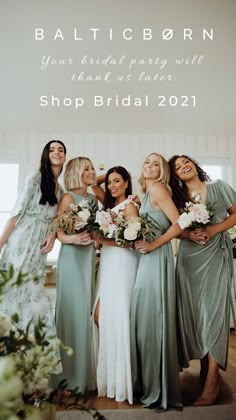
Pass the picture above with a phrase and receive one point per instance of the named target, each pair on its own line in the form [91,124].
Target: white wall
[111,149]
[117,135]
[22,81]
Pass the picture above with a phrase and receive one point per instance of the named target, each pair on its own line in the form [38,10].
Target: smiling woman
[111,312]
[26,238]
[204,275]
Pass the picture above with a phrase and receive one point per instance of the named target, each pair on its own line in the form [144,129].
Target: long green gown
[204,275]
[75,292]
[153,323]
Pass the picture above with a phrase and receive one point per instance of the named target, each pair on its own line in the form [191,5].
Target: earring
[180,183]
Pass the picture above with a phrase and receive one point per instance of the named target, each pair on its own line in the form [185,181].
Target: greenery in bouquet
[26,363]
[124,232]
[196,215]
[76,218]
[232,234]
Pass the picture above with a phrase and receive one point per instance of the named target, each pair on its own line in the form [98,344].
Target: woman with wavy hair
[153,310]
[111,313]
[204,274]
[27,238]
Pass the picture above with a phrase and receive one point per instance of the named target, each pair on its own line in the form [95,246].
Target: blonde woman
[153,317]
[75,282]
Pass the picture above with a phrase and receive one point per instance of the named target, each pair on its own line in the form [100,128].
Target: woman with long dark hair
[116,277]
[27,237]
[203,274]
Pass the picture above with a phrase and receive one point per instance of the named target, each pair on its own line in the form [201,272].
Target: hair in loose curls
[109,201]
[180,191]
[48,184]
[164,175]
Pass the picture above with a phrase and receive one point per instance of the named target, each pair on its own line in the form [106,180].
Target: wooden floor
[189,380]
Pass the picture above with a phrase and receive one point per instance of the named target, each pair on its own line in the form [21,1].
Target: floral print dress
[22,249]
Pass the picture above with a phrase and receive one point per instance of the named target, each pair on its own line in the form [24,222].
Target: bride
[111,313]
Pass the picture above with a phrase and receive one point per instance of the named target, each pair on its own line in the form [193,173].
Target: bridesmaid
[75,282]
[153,315]
[204,274]
[26,239]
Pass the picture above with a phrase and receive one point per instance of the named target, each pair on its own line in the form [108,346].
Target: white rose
[130,234]
[135,225]
[84,215]
[83,203]
[112,228]
[103,217]
[185,220]
[201,214]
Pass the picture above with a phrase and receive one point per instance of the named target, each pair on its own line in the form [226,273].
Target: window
[216,168]
[53,255]
[8,190]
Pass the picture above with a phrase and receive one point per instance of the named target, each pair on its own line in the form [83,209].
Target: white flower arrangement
[195,215]
[76,218]
[124,232]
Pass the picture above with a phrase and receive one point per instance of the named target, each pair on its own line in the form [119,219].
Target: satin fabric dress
[75,292]
[153,322]
[204,276]
[111,341]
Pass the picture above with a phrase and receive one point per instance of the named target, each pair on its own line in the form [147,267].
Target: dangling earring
[180,183]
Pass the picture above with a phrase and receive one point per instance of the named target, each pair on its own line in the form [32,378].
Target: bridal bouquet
[76,218]
[124,232]
[195,215]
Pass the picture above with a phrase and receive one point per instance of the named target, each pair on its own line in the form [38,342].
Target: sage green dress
[204,276]
[153,323]
[75,291]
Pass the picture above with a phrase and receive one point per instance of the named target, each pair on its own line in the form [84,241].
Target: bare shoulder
[131,209]
[65,201]
[158,190]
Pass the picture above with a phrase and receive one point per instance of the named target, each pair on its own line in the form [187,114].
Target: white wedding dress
[111,341]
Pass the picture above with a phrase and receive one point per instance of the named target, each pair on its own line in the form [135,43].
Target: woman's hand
[199,236]
[135,198]
[211,231]
[143,246]
[47,245]
[82,238]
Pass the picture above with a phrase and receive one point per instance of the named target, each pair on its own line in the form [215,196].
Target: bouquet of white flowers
[124,232]
[195,215]
[76,218]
